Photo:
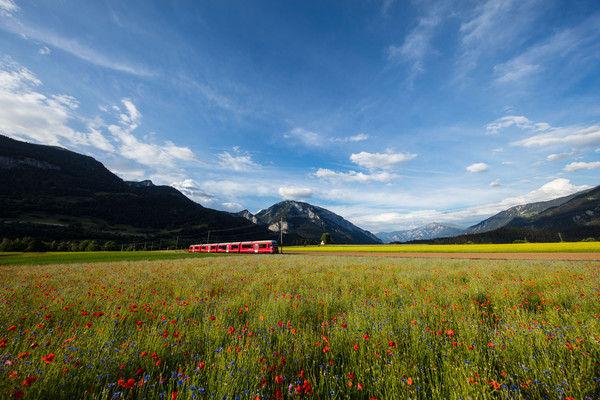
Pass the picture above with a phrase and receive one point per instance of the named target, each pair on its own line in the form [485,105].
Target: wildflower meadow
[302,327]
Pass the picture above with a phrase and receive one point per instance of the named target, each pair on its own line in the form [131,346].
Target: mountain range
[55,194]
[574,217]
[303,222]
[429,231]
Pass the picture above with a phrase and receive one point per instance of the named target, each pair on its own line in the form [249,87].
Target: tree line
[31,244]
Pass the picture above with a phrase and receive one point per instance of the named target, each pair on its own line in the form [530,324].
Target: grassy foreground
[301,327]
[564,247]
[93,256]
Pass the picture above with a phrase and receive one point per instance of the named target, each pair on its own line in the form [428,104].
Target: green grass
[267,326]
[7,259]
[564,247]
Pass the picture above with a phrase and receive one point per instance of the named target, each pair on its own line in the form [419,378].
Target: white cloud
[353,176]
[496,183]
[576,166]
[240,162]
[396,220]
[478,167]
[149,154]
[295,192]
[381,160]
[27,113]
[45,50]
[556,188]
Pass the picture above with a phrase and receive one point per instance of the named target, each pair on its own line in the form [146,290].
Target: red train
[261,246]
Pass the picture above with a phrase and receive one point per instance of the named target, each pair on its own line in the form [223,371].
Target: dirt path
[489,256]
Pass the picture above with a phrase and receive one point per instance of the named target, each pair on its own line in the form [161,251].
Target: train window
[262,246]
[235,246]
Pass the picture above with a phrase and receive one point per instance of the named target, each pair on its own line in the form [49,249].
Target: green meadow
[295,326]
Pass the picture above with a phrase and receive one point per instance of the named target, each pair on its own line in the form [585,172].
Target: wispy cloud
[305,137]
[416,45]
[571,46]
[8,7]
[314,139]
[353,176]
[76,48]
[490,26]
[569,136]
[517,120]
[562,156]
[238,162]
[381,160]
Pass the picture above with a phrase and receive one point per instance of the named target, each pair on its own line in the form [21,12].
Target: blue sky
[392,114]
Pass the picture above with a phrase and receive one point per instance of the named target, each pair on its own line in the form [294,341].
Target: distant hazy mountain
[305,221]
[430,231]
[521,212]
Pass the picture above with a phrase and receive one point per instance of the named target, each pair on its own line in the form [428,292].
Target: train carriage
[259,246]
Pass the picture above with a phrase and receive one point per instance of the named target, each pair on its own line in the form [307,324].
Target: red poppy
[29,380]
[49,358]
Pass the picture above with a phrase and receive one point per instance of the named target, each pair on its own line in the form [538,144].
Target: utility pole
[281,235]
[208,238]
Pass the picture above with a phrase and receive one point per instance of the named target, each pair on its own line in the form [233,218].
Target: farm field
[332,327]
[563,247]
